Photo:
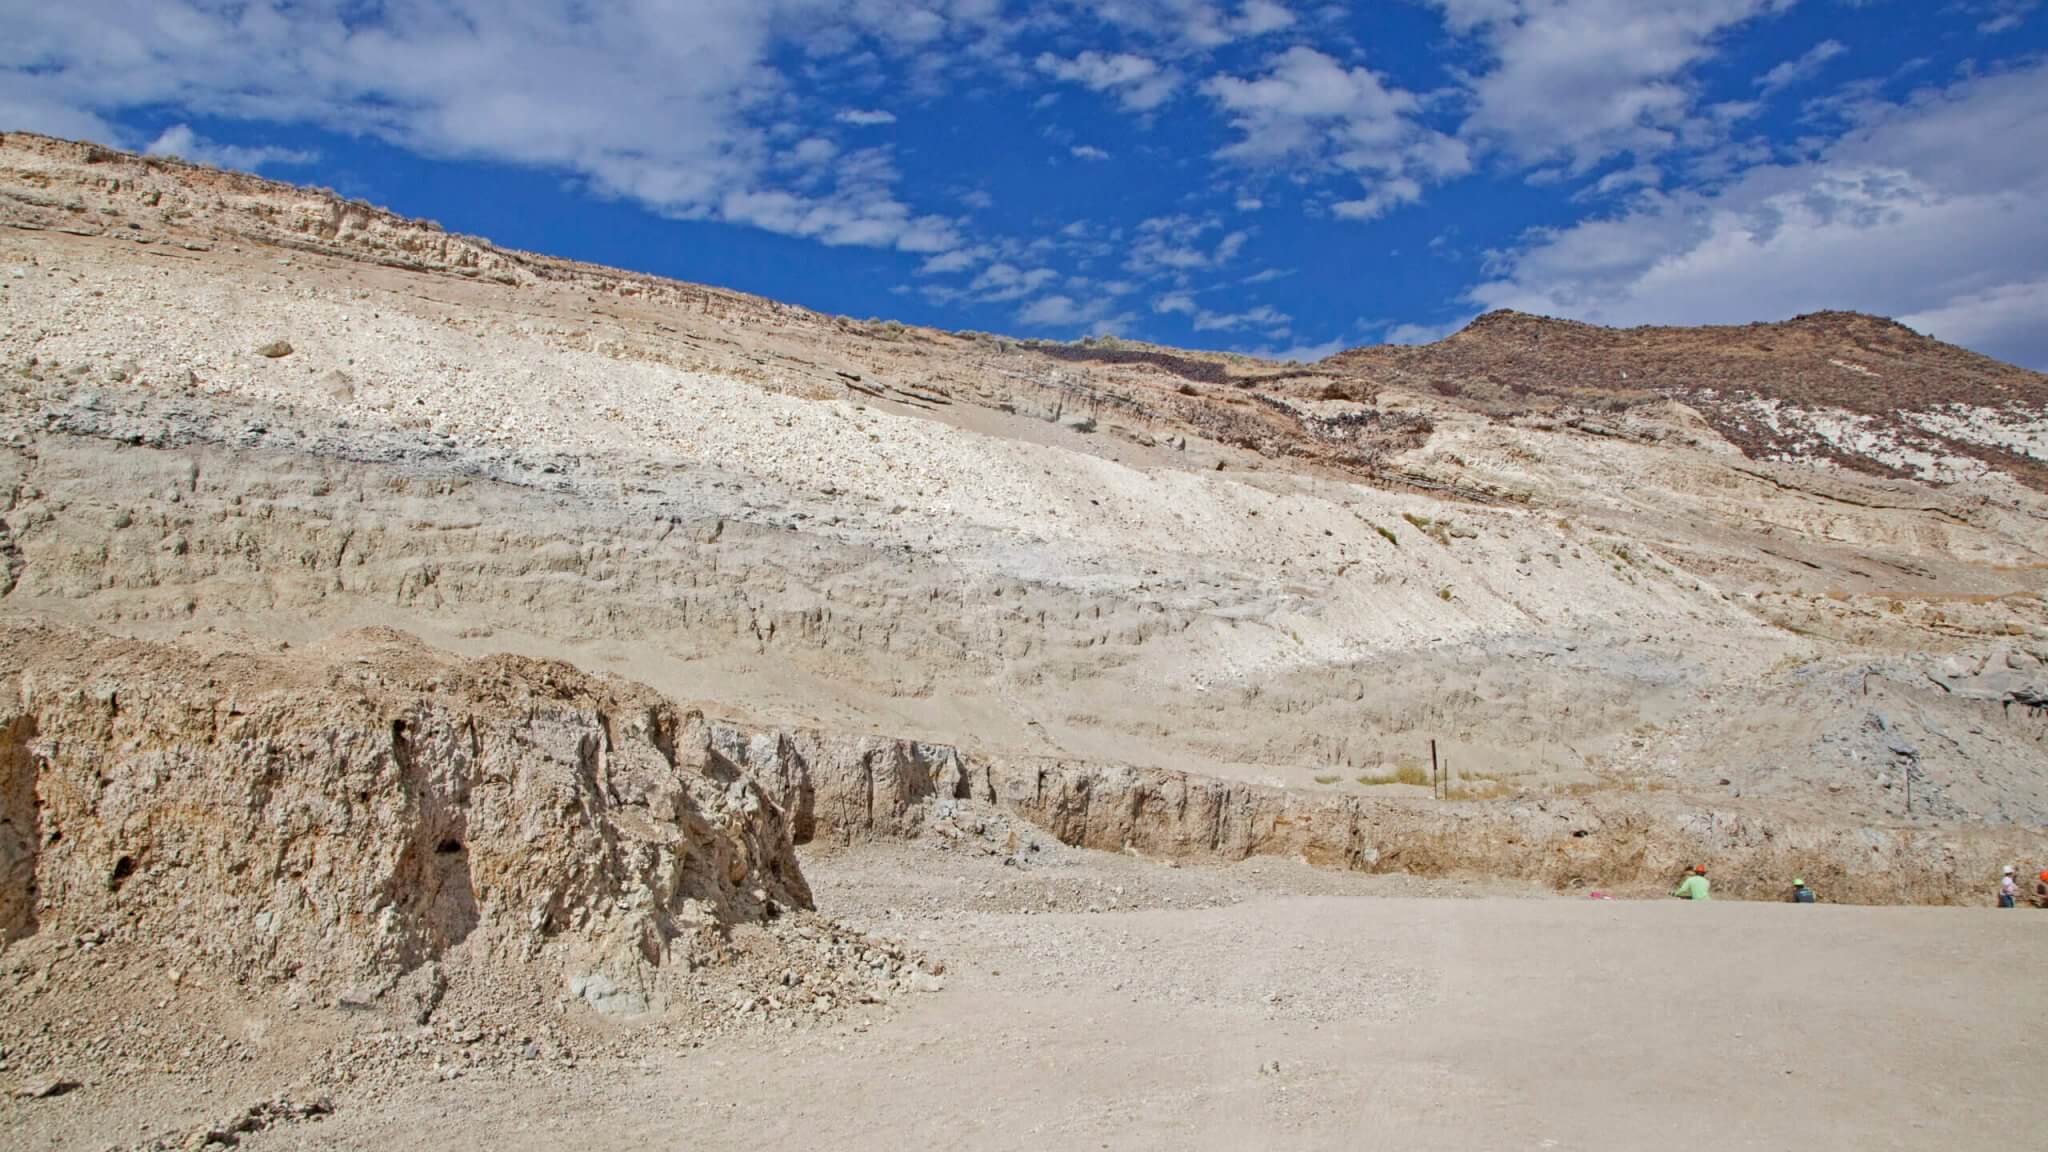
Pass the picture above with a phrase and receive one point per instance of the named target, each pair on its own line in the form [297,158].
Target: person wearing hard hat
[1801,894]
[2008,889]
[2041,890]
[1694,886]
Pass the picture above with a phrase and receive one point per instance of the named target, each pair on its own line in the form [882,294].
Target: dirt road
[1342,1021]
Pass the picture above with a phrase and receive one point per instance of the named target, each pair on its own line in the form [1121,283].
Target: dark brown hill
[1877,372]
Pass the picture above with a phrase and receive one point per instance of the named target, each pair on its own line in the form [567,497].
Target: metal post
[1434,791]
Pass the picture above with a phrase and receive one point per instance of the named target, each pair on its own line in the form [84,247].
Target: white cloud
[1264,316]
[1176,244]
[1623,180]
[1174,302]
[2009,316]
[813,151]
[1249,204]
[1804,67]
[2005,15]
[1064,312]
[1384,197]
[1309,109]
[860,118]
[658,102]
[1192,25]
[1138,83]
[1002,282]
[179,140]
[1088,152]
[1581,80]
[1927,210]
[1258,17]
[1421,333]
[957,260]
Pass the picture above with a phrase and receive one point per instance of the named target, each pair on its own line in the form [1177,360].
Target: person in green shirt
[1694,887]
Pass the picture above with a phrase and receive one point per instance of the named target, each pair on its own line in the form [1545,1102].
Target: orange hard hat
[1701,869]
[2044,875]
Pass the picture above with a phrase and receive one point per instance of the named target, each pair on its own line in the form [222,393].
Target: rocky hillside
[1841,388]
[1687,578]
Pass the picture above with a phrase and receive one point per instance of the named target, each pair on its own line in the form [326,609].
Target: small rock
[275,350]
[45,1088]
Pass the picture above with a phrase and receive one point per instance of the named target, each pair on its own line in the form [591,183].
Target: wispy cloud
[1804,67]
[1065,313]
[1421,333]
[999,283]
[1139,84]
[2004,15]
[1263,316]
[181,141]
[1179,244]
[1195,25]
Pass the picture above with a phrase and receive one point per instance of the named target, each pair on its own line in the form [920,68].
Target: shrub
[1406,771]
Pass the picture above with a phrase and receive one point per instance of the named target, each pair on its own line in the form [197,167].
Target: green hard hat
[1798,883]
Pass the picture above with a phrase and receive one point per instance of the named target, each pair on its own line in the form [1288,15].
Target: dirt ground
[1268,1005]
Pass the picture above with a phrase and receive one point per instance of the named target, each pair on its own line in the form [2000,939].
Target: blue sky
[1276,176]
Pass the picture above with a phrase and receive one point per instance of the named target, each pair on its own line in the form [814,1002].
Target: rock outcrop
[854,789]
[344,818]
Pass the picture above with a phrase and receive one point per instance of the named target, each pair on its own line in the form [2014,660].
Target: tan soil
[1264,1005]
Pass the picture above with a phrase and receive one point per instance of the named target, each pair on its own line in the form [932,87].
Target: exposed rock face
[2004,677]
[866,787]
[343,818]
[846,787]
[1564,842]
[20,829]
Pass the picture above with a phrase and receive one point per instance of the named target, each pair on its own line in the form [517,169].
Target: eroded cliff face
[339,818]
[850,789]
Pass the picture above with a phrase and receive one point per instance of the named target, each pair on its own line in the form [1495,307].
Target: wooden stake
[1434,791]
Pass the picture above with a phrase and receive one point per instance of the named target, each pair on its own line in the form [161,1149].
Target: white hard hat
[2008,869]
